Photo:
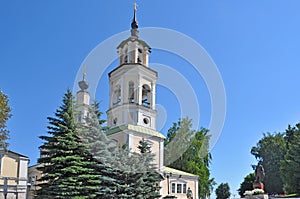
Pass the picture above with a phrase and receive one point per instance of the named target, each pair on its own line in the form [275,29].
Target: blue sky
[255,45]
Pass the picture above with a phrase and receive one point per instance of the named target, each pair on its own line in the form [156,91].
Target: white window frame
[182,190]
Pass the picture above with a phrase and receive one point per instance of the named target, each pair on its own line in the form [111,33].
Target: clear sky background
[255,45]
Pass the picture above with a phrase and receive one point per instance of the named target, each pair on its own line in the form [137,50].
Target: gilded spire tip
[134,24]
[84,73]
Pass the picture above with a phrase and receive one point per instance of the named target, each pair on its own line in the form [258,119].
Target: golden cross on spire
[84,72]
[134,6]
[134,24]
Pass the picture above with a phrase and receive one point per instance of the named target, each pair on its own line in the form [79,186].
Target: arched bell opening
[131,93]
[146,96]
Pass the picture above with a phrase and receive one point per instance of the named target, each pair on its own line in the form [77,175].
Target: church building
[131,116]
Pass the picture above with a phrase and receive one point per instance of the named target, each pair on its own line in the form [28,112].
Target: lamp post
[5,188]
[168,175]
[168,184]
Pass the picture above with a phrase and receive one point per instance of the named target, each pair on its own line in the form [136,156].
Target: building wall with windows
[177,183]
[33,175]
[13,178]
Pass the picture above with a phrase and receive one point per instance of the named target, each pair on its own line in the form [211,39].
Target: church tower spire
[83,98]
[134,24]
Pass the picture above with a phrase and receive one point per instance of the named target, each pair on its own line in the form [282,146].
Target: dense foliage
[101,148]
[280,156]
[4,116]
[151,178]
[129,177]
[187,150]
[270,150]
[247,184]
[79,161]
[290,165]
[223,191]
[68,168]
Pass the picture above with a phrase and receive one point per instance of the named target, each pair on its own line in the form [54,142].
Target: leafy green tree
[223,191]
[271,150]
[187,150]
[4,116]
[178,140]
[68,167]
[247,184]
[290,165]
[289,134]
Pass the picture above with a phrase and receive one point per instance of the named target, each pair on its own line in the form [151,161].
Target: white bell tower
[133,84]
[131,116]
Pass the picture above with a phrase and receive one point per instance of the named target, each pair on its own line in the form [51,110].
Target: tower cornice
[141,66]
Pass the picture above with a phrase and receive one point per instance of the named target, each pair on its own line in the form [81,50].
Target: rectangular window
[184,188]
[173,187]
[179,187]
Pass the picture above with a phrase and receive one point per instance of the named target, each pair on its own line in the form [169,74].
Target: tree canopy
[270,150]
[280,157]
[223,191]
[290,165]
[4,116]
[187,150]
[68,168]
[247,184]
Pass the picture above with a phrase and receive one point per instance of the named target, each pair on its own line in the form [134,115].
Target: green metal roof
[178,172]
[139,129]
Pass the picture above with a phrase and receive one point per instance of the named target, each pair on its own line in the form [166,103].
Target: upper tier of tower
[133,49]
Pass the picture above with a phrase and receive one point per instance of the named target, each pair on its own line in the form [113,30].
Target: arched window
[117,95]
[131,92]
[146,96]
